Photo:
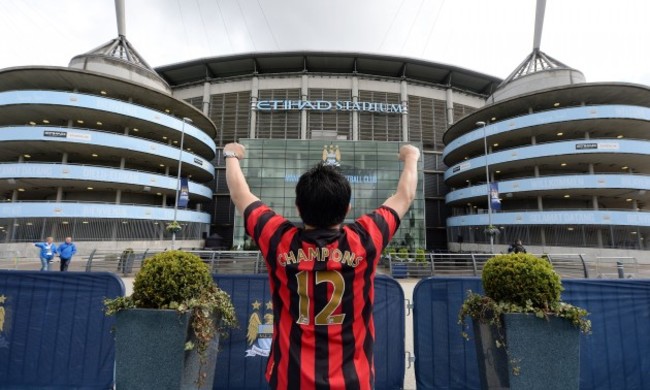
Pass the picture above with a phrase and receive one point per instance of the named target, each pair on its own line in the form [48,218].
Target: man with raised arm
[321,275]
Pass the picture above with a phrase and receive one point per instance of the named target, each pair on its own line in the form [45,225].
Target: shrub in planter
[180,282]
[420,255]
[518,283]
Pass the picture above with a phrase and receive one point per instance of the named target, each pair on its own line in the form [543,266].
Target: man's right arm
[408,181]
[240,193]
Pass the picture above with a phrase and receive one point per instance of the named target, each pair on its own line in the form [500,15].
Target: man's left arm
[240,192]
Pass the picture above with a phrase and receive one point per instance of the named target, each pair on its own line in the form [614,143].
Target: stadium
[101,149]
[294,109]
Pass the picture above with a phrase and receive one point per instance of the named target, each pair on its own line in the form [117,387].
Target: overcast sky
[606,40]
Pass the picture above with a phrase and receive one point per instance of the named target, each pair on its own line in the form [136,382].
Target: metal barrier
[414,265]
[233,262]
[616,267]
[129,262]
[405,265]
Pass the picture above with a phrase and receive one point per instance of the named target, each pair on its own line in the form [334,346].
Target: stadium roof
[203,69]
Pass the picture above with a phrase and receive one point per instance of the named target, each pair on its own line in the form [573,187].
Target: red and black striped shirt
[322,287]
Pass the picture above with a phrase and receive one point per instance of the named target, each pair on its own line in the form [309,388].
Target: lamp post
[178,176]
[487,183]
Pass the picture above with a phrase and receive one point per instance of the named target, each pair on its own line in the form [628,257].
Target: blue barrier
[241,364]
[53,331]
[615,356]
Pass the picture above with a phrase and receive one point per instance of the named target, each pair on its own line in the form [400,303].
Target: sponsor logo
[589,145]
[598,145]
[57,134]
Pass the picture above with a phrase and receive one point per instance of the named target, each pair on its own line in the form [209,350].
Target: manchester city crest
[332,156]
[3,341]
[260,330]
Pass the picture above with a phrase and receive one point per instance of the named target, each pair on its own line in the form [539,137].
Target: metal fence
[412,265]
[128,262]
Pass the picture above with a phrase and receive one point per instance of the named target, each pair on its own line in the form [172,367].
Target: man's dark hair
[323,196]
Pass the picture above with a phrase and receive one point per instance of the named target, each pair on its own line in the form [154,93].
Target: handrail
[574,265]
[95,166]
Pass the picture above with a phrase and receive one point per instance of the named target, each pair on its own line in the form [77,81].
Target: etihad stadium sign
[326,105]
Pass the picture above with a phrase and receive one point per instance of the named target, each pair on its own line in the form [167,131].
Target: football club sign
[260,330]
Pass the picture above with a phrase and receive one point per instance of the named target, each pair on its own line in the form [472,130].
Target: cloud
[606,41]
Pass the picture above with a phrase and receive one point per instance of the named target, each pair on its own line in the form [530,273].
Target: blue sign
[184,196]
[495,202]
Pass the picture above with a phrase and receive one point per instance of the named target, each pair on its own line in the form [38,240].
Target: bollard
[621,272]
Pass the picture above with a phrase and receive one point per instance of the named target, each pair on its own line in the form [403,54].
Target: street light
[487,181]
[178,176]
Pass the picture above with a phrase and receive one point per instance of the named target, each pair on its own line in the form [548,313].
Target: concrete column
[127,130]
[536,170]
[355,114]
[255,93]
[594,202]
[586,135]
[59,190]
[205,102]
[450,106]
[533,140]
[118,194]
[542,231]
[599,238]
[304,87]
[635,205]
[591,168]
[405,117]
[164,201]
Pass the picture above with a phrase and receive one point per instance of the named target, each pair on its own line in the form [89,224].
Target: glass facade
[273,167]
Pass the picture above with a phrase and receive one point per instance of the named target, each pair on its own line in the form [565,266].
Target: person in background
[66,251]
[517,247]
[322,275]
[48,250]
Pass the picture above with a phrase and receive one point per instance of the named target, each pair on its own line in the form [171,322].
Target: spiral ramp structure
[571,161]
[93,150]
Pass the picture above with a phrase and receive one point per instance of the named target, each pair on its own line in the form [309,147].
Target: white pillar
[255,93]
[405,118]
[205,102]
[304,93]
[450,106]
[355,114]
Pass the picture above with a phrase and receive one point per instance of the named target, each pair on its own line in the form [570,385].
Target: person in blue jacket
[48,250]
[66,251]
